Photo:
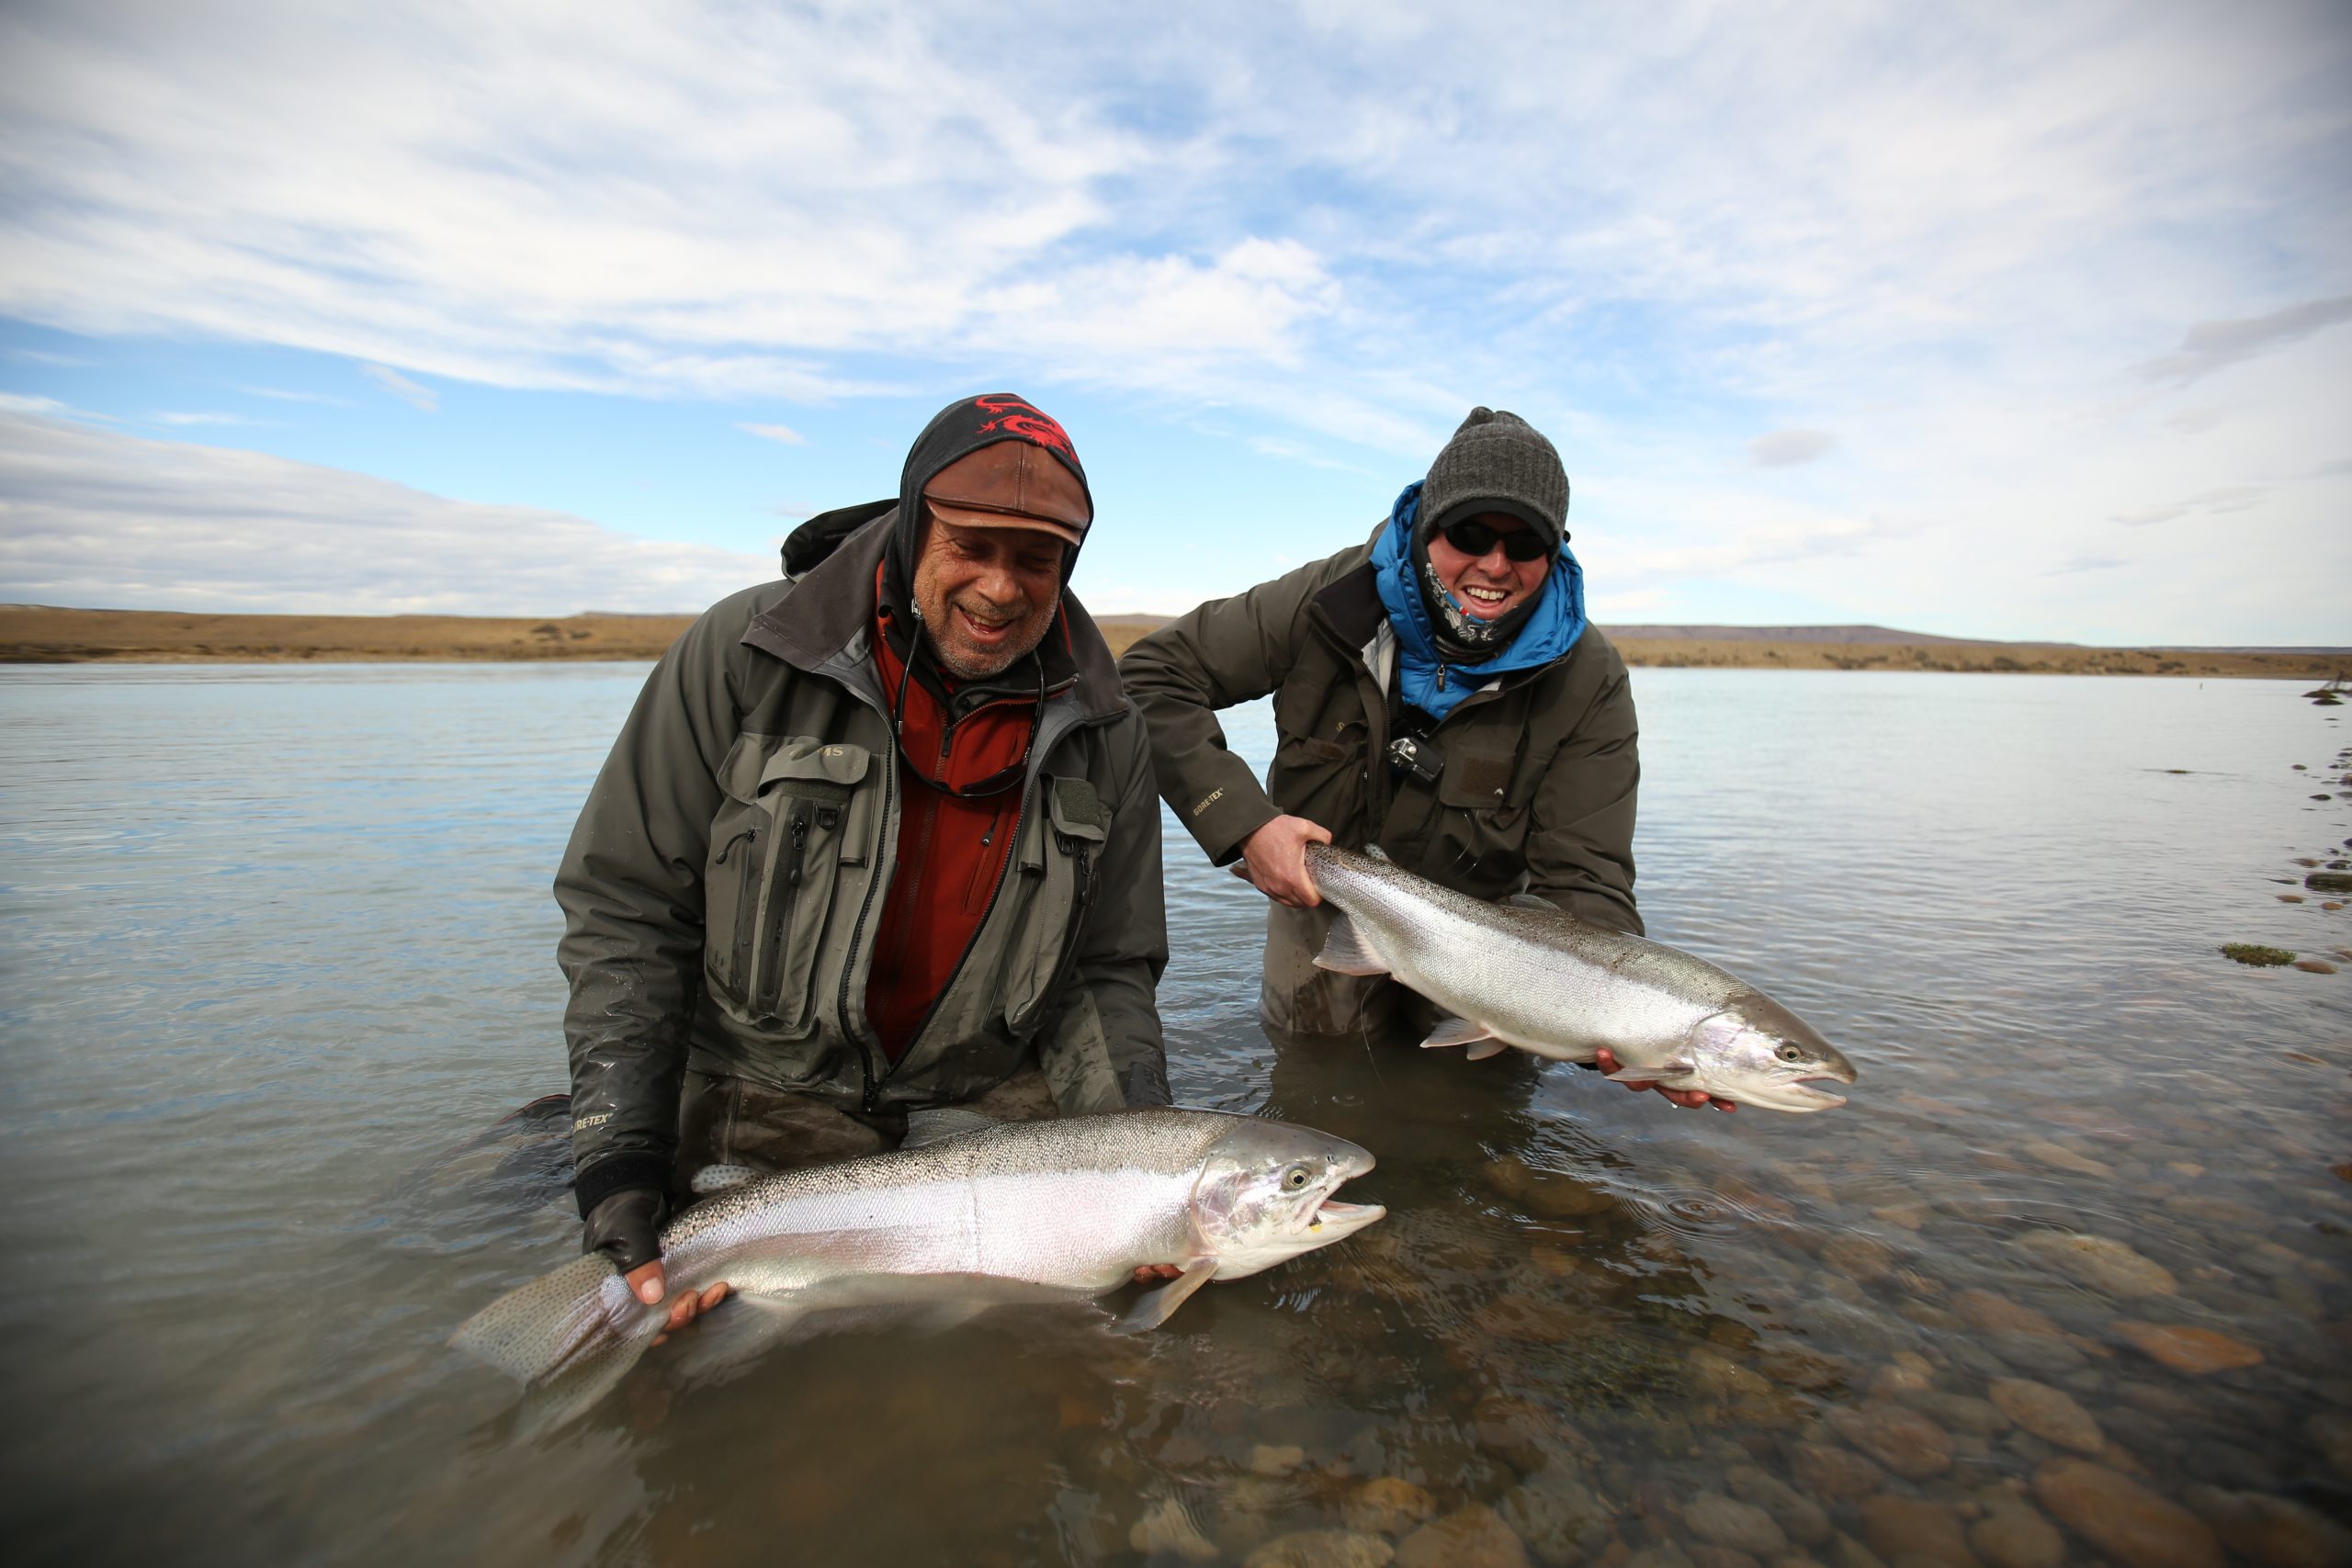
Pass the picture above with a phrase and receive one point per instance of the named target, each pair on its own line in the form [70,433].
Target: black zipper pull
[800,842]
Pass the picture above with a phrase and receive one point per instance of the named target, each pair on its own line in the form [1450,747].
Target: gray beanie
[1497,462]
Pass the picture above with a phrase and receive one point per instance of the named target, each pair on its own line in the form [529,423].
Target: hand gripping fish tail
[1069,1208]
[1548,983]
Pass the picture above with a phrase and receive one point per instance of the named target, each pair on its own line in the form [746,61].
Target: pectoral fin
[1344,952]
[1460,1031]
[1157,1307]
[1651,1075]
[941,1123]
[1484,1049]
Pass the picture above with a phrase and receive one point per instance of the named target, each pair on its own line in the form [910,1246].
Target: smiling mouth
[1485,595]
[985,627]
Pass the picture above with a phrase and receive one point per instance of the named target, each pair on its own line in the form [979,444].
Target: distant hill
[1798,633]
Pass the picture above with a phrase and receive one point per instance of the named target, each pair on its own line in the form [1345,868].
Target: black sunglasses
[1473,537]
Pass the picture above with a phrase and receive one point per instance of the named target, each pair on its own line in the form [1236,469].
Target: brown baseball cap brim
[1012,484]
[971,517]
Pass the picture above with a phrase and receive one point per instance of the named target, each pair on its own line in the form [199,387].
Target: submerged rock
[2186,1350]
[2105,1265]
[1557,1515]
[1387,1505]
[2014,1536]
[2048,1414]
[2274,1532]
[1743,1526]
[1897,1437]
[2124,1520]
[1900,1528]
[1825,1470]
[1167,1527]
[1475,1537]
[1322,1548]
[1987,1312]
[1800,1519]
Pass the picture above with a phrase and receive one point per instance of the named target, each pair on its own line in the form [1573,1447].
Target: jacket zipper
[747,911]
[772,992]
[866,906]
[1081,901]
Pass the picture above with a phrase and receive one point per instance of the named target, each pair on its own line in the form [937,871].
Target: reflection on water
[2066,1281]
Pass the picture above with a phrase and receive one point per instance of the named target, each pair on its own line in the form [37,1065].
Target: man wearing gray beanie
[1437,693]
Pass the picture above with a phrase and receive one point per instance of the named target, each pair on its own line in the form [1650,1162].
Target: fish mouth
[1333,1218]
[1799,1097]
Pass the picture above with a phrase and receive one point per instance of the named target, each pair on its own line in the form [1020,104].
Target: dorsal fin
[941,1123]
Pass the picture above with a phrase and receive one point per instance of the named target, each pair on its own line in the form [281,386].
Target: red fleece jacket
[952,851]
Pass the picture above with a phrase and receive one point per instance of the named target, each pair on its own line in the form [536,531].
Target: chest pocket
[794,817]
[1474,781]
[1059,866]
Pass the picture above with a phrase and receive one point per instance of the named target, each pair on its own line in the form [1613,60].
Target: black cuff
[616,1172]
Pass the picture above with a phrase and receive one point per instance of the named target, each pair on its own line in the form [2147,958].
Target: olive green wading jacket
[1540,769]
[722,887]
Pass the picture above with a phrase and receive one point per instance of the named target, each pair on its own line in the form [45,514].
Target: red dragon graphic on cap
[1014,417]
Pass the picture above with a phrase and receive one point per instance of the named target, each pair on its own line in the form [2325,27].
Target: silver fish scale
[1540,979]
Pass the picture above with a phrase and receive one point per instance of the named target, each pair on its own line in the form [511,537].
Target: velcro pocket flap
[826,771]
[1077,810]
[1474,781]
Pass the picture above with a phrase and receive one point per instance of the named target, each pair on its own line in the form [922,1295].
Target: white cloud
[1787,448]
[413,393]
[2216,346]
[97,518]
[783,432]
[193,419]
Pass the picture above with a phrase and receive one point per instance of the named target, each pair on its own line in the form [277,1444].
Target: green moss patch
[2254,954]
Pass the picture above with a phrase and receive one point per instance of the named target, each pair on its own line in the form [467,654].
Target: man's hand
[1689,1099]
[650,1285]
[1146,1273]
[627,1228]
[1273,861]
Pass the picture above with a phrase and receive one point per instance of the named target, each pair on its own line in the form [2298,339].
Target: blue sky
[2002,321]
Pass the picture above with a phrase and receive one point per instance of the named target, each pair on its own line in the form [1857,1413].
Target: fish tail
[559,1323]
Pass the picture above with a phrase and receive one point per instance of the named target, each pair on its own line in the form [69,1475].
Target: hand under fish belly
[1544,981]
[1076,1205]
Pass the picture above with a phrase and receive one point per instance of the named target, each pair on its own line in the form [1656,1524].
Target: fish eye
[1296,1177]
[1791,1054]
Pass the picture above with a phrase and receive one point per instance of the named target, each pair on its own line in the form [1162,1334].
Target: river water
[2067,1281]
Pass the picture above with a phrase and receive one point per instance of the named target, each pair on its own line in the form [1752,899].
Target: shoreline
[40,634]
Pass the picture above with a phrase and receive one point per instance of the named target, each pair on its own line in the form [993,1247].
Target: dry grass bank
[42,635]
[35,635]
[2014,658]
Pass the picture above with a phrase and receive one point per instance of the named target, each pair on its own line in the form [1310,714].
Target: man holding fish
[878,836]
[1437,692]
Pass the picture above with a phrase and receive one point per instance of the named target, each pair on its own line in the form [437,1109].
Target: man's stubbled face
[987,594]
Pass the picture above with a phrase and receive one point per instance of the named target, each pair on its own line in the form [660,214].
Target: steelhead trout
[1073,1206]
[1549,983]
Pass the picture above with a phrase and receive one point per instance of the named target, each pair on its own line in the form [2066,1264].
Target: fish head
[1758,1053]
[1263,1195]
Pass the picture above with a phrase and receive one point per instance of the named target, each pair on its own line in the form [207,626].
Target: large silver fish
[1547,982]
[1073,1206]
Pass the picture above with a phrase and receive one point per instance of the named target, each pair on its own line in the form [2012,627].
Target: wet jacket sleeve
[1226,651]
[1107,1017]
[630,887]
[1580,845]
